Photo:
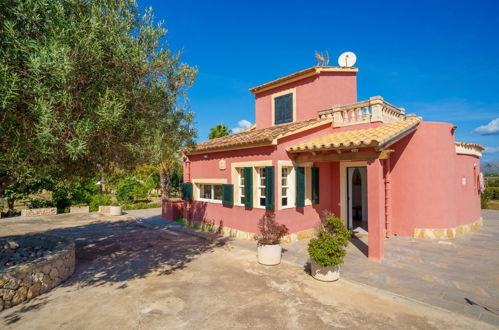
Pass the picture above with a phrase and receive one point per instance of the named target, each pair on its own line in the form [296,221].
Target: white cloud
[490,128]
[491,150]
[241,126]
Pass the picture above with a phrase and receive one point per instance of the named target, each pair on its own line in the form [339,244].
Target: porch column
[376,209]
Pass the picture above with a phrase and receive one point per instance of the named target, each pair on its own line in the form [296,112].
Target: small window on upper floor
[283,108]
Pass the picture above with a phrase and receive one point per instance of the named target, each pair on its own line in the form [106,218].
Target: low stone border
[27,280]
[38,212]
[79,209]
[448,232]
[240,234]
[104,209]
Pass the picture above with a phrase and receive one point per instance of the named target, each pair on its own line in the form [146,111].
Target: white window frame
[260,186]
[289,187]
[209,200]
[292,183]
[240,186]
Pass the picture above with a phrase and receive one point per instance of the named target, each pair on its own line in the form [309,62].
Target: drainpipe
[388,197]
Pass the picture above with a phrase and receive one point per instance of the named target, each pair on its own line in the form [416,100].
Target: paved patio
[143,274]
[460,275]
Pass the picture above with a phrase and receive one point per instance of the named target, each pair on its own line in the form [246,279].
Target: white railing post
[376,108]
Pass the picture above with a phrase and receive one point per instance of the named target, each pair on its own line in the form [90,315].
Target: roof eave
[315,70]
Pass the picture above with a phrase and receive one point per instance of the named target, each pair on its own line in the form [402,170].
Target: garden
[139,189]
[490,196]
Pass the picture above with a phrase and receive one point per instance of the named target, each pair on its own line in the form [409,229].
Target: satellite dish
[347,59]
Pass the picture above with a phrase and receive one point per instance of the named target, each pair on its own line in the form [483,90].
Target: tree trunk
[164,180]
[5,181]
[10,203]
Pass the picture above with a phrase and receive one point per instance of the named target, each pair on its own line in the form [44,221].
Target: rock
[54,273]
[46,269]
[34,290]
[1,304]
[7,304]
[2,282]
[20,295]
[12,245]
[28,281]
[13,284]
[7,294]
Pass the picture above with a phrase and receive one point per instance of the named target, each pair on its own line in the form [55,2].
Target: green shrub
[140,206]
[99,199]
[492,192]
[126,190]
[484,200]
[328,249]
[38,203]
[79,191]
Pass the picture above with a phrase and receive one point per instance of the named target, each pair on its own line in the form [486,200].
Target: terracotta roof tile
[470,145]
[248,138]
[368,137]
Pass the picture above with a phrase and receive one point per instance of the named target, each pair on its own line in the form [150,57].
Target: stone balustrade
[373,110]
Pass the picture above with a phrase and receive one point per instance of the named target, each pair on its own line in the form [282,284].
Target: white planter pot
[115,210]
[269,254]
[326,274]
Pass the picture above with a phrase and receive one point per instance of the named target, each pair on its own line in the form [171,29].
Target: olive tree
[87,87]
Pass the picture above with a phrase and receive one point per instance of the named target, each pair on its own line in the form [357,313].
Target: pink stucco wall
[312,94]
[426,181]
[468,195]
[205,166]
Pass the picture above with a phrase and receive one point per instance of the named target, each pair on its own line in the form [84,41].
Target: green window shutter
[228,194]
[283,109]
[300,186]
[269,187]
[187,191]
[315,185]
[248,187]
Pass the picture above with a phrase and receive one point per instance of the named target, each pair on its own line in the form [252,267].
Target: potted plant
[115,209]
[269,248]
[327,250]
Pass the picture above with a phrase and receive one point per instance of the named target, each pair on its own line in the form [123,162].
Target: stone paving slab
[141,274]
[460,274]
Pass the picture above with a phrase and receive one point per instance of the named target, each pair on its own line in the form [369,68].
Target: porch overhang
[375,141]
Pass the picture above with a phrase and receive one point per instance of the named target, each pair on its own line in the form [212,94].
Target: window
[285,184]
[241,185]
[283,109]
[210,192]
[261,186]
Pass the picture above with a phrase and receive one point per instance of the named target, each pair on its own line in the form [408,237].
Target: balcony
[373,110]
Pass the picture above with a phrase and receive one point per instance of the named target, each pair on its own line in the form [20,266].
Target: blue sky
[438,59]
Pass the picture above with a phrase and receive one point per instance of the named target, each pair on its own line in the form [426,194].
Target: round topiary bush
[328,249]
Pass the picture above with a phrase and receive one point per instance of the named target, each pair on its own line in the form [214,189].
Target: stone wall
[79,209]
[27,280]
[104,209]
[38,212]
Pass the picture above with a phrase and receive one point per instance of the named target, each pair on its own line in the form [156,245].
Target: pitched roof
[315,70]
[257,137]
[378,137]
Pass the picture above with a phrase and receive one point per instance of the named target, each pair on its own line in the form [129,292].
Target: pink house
[314,147]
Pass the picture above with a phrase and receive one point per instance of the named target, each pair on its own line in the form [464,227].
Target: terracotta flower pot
[326,274]
[269,254]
